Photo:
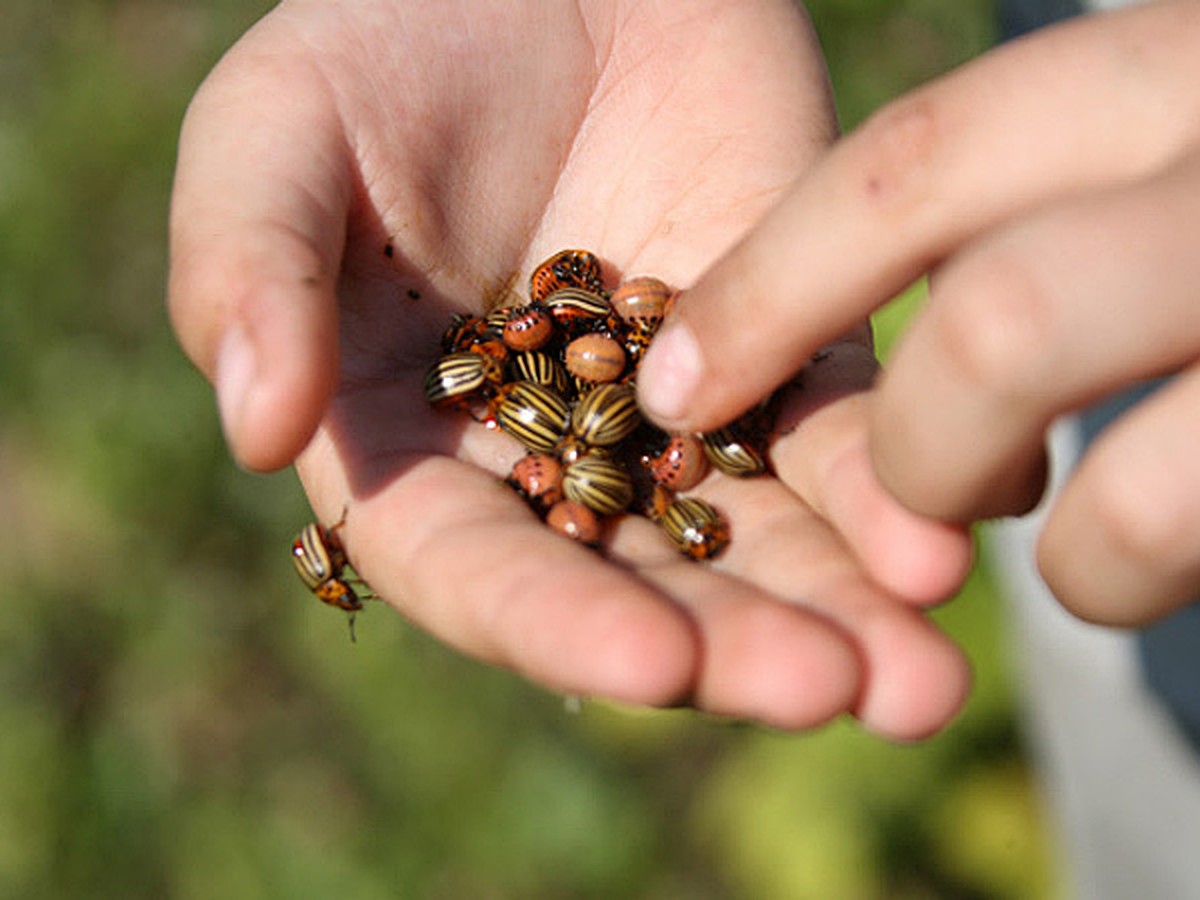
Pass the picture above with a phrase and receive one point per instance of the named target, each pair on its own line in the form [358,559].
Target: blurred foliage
[178,719]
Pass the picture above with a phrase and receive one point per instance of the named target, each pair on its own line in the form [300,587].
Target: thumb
[257,225]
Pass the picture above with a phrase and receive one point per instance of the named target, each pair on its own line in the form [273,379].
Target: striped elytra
[541,368]
[733,454]
[457,377]
[595,358]
[320,560]
[599,483]
[496,319]
[533,414]
[566,268]
[695,527]
[570,306]
[606,415]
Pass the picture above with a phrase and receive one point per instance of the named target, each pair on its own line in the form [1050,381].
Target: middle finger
[1042,317]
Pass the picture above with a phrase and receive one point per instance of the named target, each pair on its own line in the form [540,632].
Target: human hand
[353,172]
[1054,187]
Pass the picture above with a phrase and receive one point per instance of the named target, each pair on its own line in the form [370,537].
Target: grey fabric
[1169,650]
[1020,16]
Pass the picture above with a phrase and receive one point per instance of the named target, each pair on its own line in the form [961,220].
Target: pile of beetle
[557,372]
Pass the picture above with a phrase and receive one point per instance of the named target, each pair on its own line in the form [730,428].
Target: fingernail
[670,373]
[236,370]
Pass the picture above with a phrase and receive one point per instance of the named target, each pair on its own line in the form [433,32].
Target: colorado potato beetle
[695,527]
[541,368]
[680,465]
[528,328]
[576,310]
[538,477]
[576,521]
[595,358]
[606,415]
[599,483]
[733,454]
[636,343]
[642,301]
[567,268]
[533,414]
[463,331]
[320,561]
[458,378]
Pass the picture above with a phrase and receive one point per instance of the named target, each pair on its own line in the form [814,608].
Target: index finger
[926,174]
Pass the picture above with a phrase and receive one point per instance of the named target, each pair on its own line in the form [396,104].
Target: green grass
[177,717]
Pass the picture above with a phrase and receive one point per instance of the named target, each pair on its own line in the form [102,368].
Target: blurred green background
[179,719]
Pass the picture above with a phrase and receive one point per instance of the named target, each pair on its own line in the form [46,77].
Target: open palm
[354,172]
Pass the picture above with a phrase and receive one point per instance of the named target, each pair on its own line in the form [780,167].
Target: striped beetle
[320,561]
[606,415]
[730,452]
[539,367]
[599,483]
[533,414]
[695,527]
[458,378]
[576,309]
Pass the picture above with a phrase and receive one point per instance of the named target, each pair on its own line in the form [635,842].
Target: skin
[472,140]
[1053,189]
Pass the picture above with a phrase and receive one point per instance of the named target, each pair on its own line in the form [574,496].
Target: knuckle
[1141,523]
[997,324]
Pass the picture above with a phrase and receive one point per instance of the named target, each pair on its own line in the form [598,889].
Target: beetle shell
[606,415]
[539,477]
[495,320]
[463,332]
[320,560]
[595,358]
[541,368]
[576,521]
[695,527]
[533,414]
[457,377]
[637,342]
[733,454]
[573,307]
[528,328]
[598,483]
[642,301]
[681,465]
[650,498]
[566,268]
